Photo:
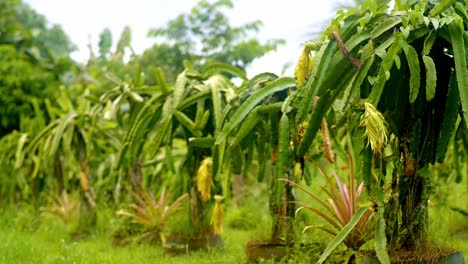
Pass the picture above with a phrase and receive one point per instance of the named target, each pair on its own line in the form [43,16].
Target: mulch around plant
[423,255]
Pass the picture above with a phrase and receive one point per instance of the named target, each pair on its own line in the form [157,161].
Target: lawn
[28,237]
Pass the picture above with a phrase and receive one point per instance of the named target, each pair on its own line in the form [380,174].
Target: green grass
[38,247]
[29,241]
[26,237]
[446,225]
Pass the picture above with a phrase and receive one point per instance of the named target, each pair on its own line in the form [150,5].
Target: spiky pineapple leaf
[338,239]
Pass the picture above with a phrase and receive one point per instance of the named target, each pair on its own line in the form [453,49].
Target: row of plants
[378,97]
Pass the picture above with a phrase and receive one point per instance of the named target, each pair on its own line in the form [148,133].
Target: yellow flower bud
[218,215]
[303,67]
[204,179]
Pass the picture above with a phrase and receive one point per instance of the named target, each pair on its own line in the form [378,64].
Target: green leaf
[19,154]
[247,126]
[275,86]
[258,80]
[217,105]
[367,51]
[58,135]
[201,142]
[382,3]
[386,65]
[274,107]
[435,23]
[413,63]
[283,146]
[389,23]
[431,78]
[449,119]
[367,158]
[194,98]
[41,136]
[462,11]
[204,120]
[429,42]
[215,68]
[380,240]
[322,60]
[459,53]
[161,134]
[135,97]
[122,154]
[187,123]
[161,80]
[441,7]
[338,239]
[363,73]
[179,89]
[323,105]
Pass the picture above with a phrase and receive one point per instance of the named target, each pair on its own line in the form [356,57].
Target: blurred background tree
[204,35]
[33,57]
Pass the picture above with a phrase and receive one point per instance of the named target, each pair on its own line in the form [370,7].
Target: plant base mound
[265,250]
[421,256]
[177,244]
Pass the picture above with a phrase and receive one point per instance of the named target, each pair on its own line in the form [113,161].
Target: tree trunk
[282,212]
[88,214]
[199,214]
[58,169]
[413,197]
[136,177]
[237,189]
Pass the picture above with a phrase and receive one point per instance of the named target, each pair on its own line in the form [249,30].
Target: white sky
[291,20]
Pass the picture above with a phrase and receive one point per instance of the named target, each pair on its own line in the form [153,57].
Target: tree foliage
[410,65]
[33,58]
[205,35]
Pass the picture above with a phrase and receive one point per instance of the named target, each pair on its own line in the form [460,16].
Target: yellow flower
[303,66]
[297,170]
[218,215]
[375,128]
[204,179]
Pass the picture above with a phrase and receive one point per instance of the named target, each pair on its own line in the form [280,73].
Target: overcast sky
[83,20]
